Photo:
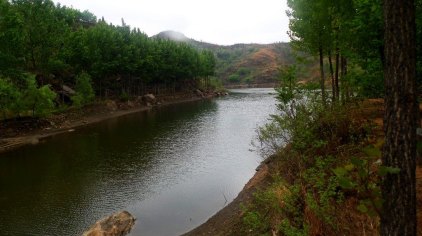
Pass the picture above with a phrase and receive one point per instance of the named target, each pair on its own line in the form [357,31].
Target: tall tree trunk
[333,87]
[400,118]
[345,81]
[336,75]
[321,68]
[342,95]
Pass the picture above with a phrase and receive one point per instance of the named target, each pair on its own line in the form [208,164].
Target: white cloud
[216,21]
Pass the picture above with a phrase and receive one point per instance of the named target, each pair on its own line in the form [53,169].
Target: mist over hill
[245,64]
[173,35]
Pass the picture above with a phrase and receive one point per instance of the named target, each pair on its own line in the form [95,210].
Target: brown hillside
[265,63]
[252,64]
[262,62]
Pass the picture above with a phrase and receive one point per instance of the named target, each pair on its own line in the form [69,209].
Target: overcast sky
[216,21]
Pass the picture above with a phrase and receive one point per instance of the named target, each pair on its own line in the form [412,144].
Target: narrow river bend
[172,168]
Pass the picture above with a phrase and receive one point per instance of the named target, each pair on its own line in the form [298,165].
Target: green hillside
[247,64]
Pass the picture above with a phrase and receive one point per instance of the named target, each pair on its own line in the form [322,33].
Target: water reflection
[172,168]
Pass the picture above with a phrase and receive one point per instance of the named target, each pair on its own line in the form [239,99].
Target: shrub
[243,71]
[248,80]
[38,100]
[9,94]
[234,78]
[84,92]
[216,84]
[319,138]
[124,97]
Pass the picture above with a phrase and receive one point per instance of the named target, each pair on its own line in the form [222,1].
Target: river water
[171,167]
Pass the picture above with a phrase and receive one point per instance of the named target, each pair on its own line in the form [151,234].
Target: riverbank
[244,86]
[231,219]
[15,134]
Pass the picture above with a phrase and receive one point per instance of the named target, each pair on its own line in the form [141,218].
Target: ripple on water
[176,164]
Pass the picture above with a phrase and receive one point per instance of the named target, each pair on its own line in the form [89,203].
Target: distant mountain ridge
[172,35]
[180,37]
[247,64]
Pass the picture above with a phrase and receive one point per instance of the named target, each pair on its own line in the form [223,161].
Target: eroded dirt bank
[14,134]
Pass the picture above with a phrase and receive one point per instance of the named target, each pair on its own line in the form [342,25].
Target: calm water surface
[172,168]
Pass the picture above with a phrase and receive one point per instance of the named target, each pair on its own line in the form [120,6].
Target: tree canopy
[349,33]
[58,43]
[377,49]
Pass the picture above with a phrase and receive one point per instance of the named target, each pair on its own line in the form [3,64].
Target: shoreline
[228,220]
[33,137]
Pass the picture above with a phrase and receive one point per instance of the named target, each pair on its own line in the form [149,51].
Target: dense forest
[349,35]
[342,163]
[47,49]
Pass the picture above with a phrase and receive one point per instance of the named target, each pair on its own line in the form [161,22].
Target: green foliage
[282,206]
[9,94]
[255,221]
[277,207]
[297,124]
[363,176]
[84,91]
[124,97]
[257,216]
[216,84]
[317,176]
[287,229]
[294,223]
[242,75]
[317,166]
[55,42]
[369,83]
[248,80]
[353,29]
[322,190]
[39,100]
[272,135]
[287,89]
[243,72]
[357,176]
[234,78]
[26,98]
[251,61]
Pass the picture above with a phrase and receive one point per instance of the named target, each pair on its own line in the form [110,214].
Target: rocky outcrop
[68,90]
[111,105]
[219,94]
[130,104]
[118,224]
[199,93]
[149,99]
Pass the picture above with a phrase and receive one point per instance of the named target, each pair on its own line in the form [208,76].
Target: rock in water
[118,224]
